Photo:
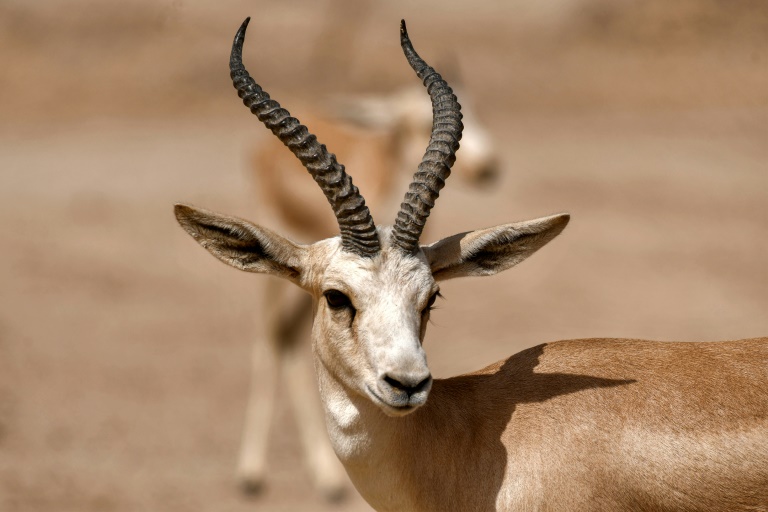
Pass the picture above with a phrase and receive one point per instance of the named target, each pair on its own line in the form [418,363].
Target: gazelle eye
[431,301]
[337,300]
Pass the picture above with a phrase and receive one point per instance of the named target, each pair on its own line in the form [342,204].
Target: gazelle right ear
[243,245]
[489,251]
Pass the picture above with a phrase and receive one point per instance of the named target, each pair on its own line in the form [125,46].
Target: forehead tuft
[390,266]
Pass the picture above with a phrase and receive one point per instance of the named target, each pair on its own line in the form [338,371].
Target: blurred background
[124,348]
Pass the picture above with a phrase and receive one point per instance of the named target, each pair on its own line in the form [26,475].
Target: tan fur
[577,425]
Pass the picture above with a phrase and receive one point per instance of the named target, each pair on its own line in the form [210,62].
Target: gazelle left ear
[243,245]
[489,251]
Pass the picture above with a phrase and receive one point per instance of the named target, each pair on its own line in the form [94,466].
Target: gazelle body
[578,425]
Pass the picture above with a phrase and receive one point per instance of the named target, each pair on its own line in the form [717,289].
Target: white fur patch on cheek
[343,411]
[343,420]
[476,143]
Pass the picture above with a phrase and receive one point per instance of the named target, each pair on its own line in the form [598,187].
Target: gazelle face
[407,114]
[371,312]
[370,319]
[479,162]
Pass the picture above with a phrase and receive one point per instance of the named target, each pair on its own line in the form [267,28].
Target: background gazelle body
[591,425]
[377,135]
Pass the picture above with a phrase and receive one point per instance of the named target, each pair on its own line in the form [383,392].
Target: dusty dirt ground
[124,348]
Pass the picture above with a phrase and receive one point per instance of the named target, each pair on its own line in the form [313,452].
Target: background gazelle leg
[298,375]
[262,395]
[284,356]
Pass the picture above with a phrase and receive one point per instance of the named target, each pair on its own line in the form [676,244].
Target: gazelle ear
[243,245]
[489,251]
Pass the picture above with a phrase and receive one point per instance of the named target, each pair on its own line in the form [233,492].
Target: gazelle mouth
[389,408]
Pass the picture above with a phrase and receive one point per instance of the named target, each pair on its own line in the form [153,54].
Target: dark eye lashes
[337,300]
[431,303]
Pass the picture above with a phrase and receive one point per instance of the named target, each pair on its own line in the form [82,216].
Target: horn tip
[241,30]
[235,57]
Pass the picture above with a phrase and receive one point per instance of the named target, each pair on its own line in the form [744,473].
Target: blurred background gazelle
[125,357]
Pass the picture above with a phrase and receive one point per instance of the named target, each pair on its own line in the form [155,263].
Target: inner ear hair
[492,250]
[241,244]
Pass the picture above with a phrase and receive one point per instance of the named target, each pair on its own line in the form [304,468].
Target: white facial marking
[374,346]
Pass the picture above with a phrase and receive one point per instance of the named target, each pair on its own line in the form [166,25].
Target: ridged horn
[435,166]
[358,232]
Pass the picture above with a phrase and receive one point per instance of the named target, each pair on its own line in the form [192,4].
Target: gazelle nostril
[409,386]
[486,175]
[395,383]
[423,384]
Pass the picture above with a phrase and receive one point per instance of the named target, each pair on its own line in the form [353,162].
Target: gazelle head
[405,114]
[373,288]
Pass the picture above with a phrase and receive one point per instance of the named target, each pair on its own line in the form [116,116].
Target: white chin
[397,412]
[394,411]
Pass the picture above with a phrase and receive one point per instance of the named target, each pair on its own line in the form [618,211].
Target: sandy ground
[124,348]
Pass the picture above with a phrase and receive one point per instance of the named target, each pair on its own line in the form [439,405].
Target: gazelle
[588,425]
[380,134]
[377,135]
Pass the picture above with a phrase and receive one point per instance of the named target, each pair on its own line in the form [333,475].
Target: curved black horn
[435,167]
[358,233]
